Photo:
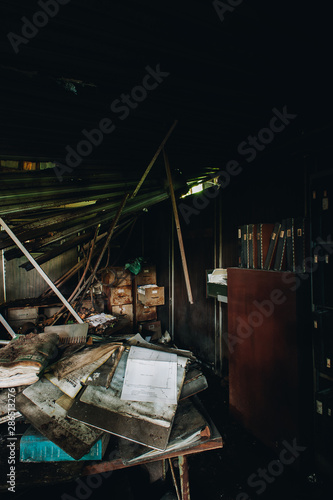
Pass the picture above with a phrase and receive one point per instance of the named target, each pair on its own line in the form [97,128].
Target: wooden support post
[40,270]
[174,479]
[179,233]
[161,146]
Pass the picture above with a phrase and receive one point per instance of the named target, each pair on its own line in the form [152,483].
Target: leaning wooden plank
[159,149]
[179,232]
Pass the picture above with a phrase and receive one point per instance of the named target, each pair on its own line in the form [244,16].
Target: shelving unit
[321,190]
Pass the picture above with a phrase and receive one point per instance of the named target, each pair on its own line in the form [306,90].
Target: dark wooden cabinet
[270,360]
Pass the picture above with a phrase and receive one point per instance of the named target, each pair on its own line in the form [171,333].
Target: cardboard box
[17,316]
[145,313]
[151,329]
[151,295]
[117,277]
[123,310]
[120,295]
[147,275]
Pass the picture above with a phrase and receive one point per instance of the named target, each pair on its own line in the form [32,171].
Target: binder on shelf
[280,248]
[272,246]
[243,246]
[300,244]
[252,246]
[324,420]
[290,245]
[323,275]
[264,231]
[323,340]
[239,245]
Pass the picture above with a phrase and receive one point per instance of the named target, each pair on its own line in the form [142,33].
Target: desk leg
[174,479]
[184,477]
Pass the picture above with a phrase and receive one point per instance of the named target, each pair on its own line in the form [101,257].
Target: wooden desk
[116,463]
[48,473]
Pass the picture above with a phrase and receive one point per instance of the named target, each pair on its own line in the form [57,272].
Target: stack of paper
[129,391]
[23,359]
[140,404]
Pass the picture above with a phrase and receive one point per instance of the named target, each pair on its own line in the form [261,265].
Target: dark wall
[265,191]
[195,323]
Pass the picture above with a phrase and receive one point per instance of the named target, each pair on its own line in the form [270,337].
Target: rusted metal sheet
[68,245]
[22,285]
[40,271]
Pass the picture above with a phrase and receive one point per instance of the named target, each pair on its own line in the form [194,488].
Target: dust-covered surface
[24,358]
[38,404]
[82,358]
[32,348]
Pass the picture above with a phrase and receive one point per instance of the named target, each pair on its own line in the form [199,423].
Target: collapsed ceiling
[94,88]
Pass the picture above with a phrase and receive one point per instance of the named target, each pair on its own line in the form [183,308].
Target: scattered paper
[100,319]
[72,383]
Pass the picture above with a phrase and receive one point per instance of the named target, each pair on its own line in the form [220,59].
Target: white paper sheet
[150,376]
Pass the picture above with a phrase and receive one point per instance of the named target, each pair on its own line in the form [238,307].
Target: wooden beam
[161,146]
[179,232]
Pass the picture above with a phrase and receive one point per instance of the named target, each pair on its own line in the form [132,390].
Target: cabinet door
[269,352]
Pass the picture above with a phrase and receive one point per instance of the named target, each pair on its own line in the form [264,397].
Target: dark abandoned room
[166,322]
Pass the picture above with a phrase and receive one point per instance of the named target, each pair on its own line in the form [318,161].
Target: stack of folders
[279,246]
